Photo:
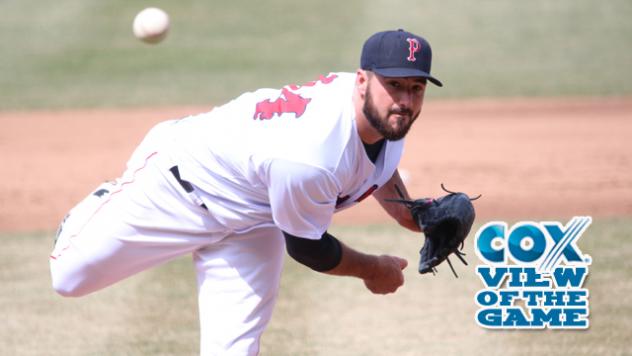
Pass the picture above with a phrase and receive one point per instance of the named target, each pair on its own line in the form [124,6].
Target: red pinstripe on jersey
[122,185]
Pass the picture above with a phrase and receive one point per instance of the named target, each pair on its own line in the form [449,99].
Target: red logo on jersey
[288,102]
[413,47]
[367,193]
[343,199]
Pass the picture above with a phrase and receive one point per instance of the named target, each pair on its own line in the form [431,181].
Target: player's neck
[373,150]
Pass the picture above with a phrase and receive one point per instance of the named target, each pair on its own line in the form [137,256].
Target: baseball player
[237,186]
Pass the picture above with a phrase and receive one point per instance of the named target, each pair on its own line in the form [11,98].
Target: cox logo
[541,244]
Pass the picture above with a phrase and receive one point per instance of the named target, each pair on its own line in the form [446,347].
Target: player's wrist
[406,220]
[357,264]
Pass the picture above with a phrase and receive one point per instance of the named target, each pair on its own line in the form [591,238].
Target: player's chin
[400,123]
[396,133]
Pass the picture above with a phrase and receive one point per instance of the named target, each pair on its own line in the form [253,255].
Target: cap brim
[406,72]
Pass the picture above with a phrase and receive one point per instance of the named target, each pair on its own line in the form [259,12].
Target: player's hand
[387,275]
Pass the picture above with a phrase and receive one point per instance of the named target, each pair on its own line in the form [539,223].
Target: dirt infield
[530,159]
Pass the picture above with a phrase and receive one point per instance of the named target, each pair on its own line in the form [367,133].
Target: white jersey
[289,157]
[267,161]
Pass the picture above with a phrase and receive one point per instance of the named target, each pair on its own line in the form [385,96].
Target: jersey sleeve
[302,197]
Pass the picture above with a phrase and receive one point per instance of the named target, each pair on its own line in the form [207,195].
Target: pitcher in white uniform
[237,186]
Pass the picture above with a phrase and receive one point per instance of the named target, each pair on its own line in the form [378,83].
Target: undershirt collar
[373,150]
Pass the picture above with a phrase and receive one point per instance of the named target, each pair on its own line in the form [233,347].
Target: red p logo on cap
[413,47]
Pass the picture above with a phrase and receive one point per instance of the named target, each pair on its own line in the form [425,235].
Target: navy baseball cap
[398,54]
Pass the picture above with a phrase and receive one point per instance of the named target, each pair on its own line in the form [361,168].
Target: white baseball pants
[144,219]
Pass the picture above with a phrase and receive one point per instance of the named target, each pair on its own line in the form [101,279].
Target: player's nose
[405,100]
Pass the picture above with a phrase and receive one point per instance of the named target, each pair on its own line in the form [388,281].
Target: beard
[379,123]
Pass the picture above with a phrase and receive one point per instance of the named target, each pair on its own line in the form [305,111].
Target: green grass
[155,312]
[81,53]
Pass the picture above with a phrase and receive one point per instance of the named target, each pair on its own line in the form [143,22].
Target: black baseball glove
[445,222]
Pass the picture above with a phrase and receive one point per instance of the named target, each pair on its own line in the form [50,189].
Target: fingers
[403,263]
[389,277]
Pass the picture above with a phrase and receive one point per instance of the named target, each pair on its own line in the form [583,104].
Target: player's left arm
[399,212]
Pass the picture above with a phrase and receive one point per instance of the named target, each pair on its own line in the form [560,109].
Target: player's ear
[362,81]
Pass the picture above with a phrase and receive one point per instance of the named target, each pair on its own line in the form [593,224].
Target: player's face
[391,105]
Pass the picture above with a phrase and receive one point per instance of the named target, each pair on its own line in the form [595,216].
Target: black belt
[187,186]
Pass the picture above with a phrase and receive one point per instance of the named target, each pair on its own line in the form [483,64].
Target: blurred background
[69,54]
[535,114]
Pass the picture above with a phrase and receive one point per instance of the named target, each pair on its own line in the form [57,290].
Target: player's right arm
[381,274]
[302,199]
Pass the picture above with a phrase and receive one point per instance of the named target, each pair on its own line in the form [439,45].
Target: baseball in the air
[151,25]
